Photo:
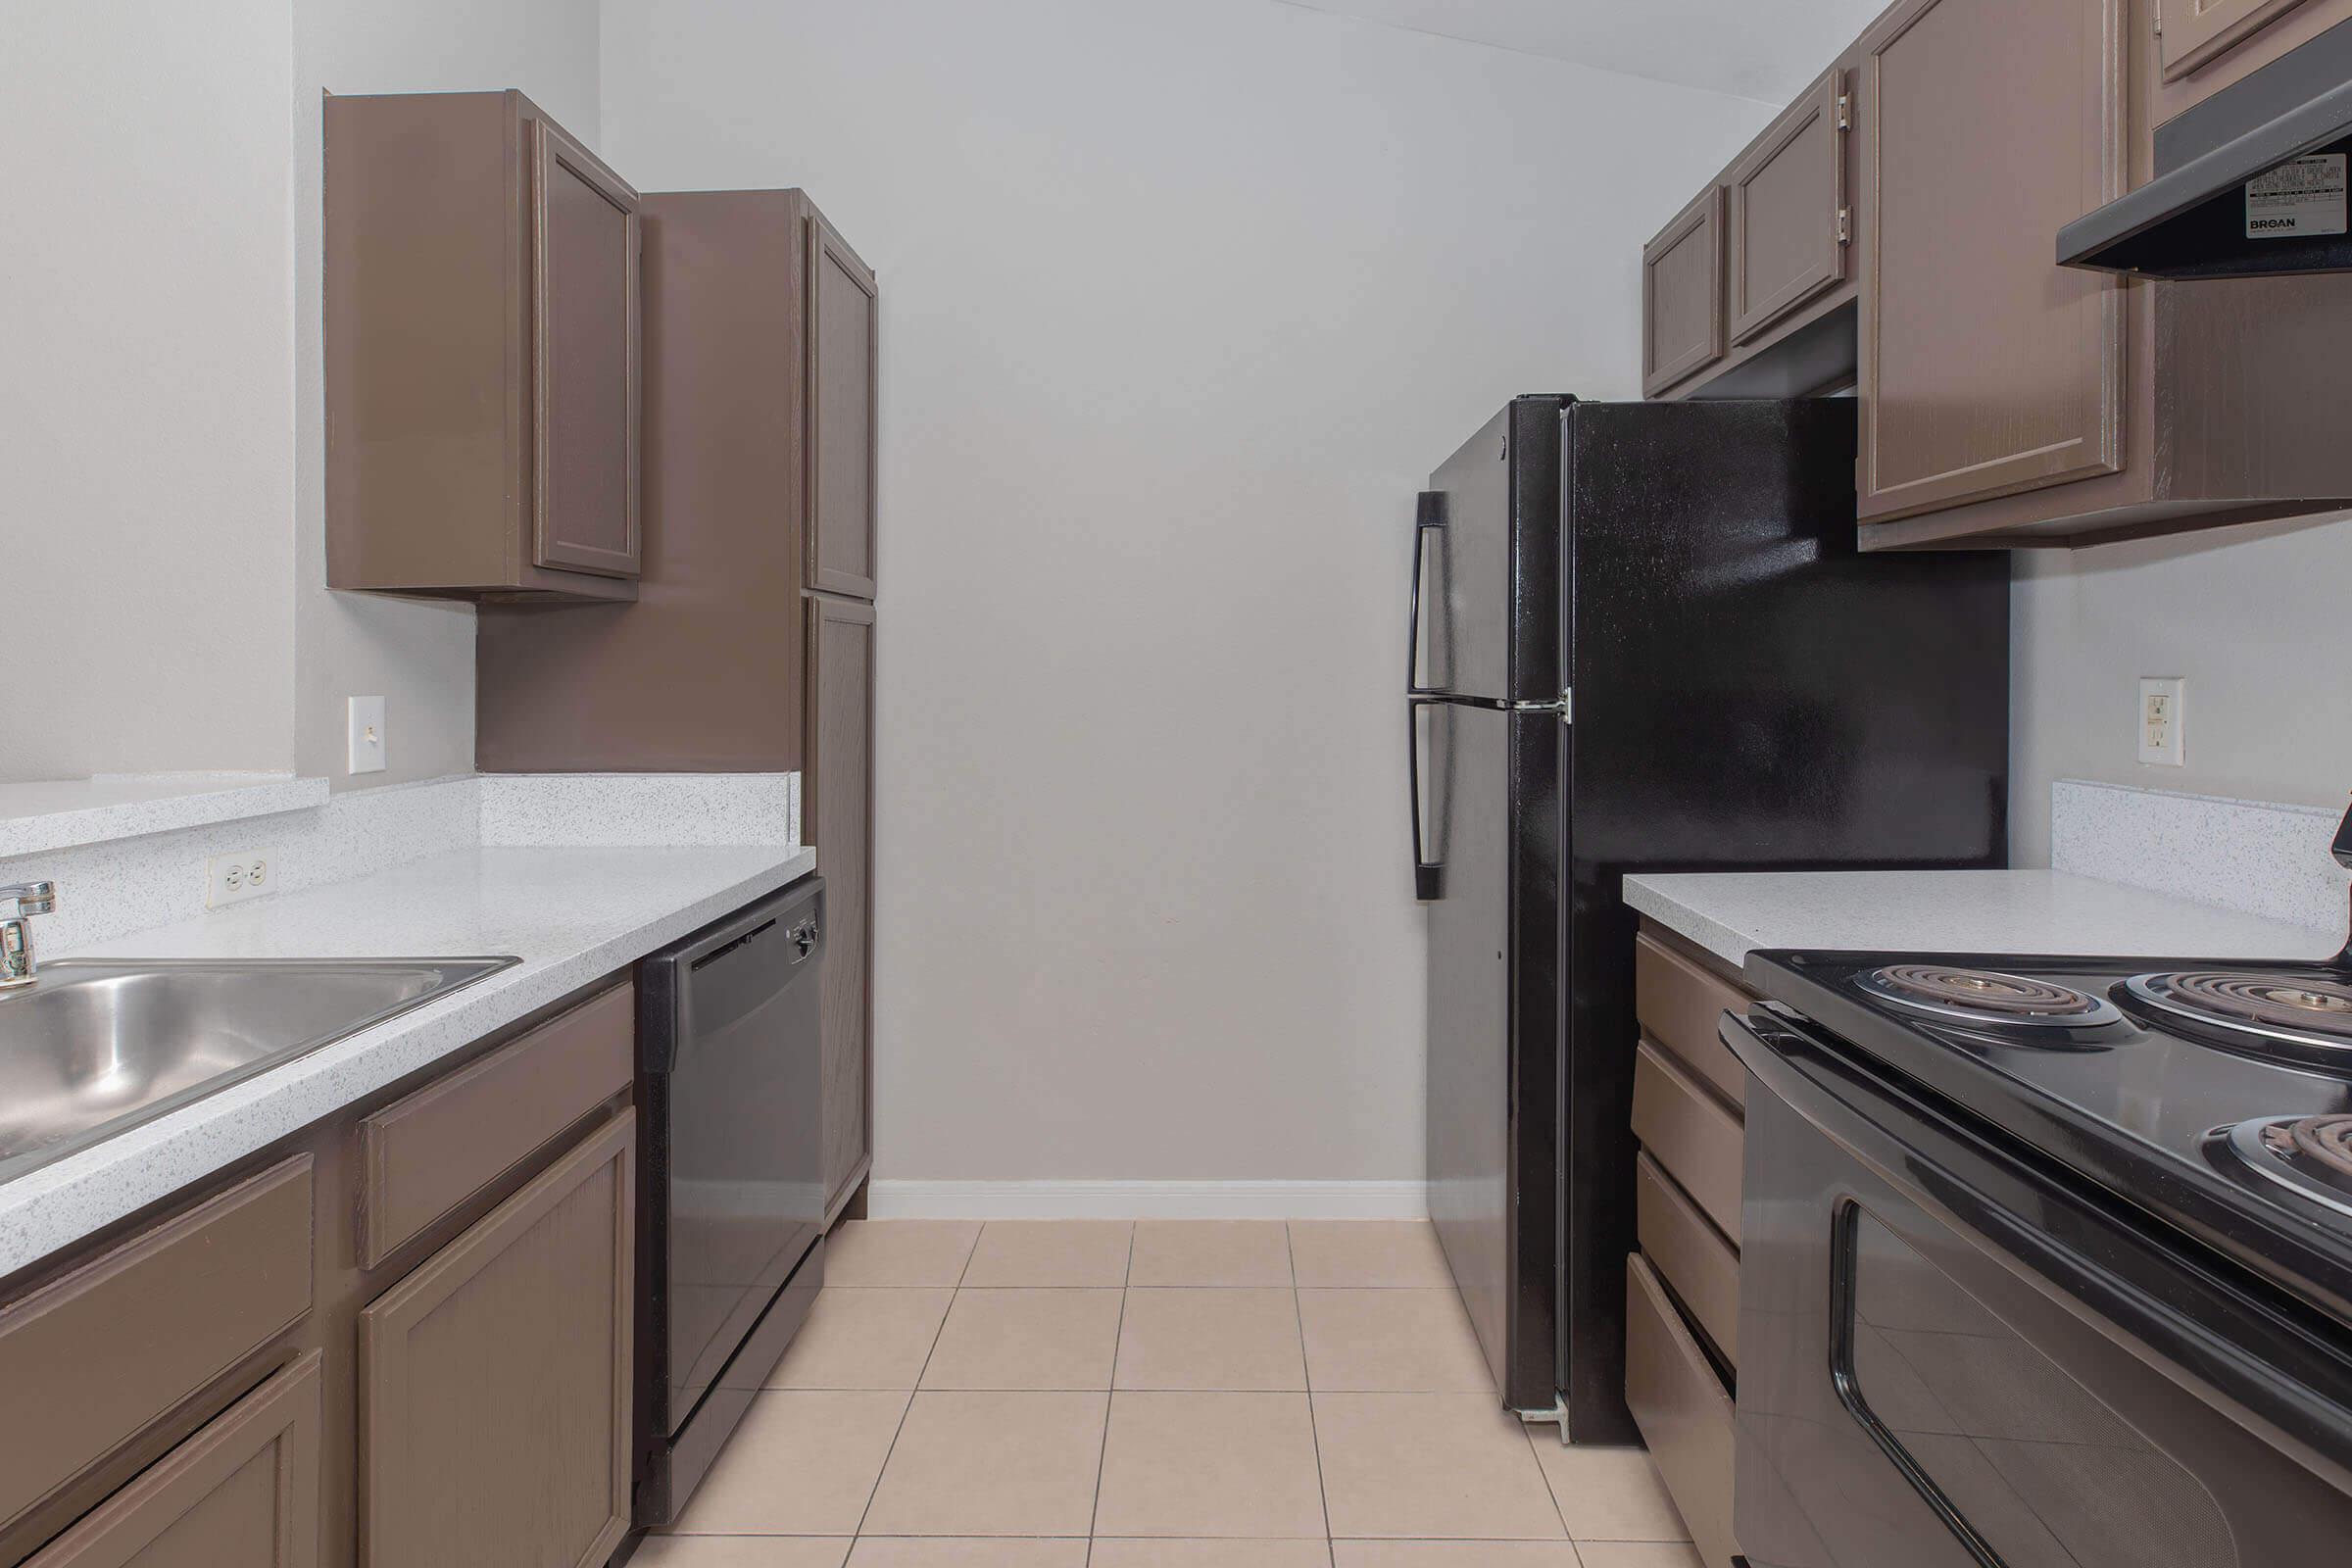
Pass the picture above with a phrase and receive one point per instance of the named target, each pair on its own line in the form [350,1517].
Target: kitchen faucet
[22,900]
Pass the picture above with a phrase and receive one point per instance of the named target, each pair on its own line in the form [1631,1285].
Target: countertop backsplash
[2250,856]
[119,886]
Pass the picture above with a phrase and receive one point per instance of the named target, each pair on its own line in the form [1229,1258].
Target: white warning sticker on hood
[2301,196]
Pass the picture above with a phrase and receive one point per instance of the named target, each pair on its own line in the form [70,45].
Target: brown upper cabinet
[2197,32]
[1894,233]
[1986,369]
[758,479]
[844,318]
[2205,45]
[1791,222]
[1682,296]
[482,348]
[1774,316]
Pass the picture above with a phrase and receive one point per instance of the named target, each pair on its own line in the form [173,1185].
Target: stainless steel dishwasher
[732,1193]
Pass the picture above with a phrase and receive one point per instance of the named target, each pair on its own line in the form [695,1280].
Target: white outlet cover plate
[366,746]
[2163,721]
[234,878]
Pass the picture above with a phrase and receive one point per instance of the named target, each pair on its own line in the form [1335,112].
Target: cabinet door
[586,339]
[843,323]
[2196,31]
[495,1381]
[837,817]
[244,1490]
[1789,223]
[1985,368]
[1682,296]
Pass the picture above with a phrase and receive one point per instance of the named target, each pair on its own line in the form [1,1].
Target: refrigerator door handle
[1429,876]
[1429,516]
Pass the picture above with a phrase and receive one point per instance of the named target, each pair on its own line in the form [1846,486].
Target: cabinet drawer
[1683,1411]
[423,1155]
[1688,1254]
[243,1491]
[1680,1004]
[87,1361]
[1690,1135]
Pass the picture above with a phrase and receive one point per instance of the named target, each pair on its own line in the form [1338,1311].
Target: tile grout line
[900,1430]
[1550,1490]
[1093,1516]
[1307,1375]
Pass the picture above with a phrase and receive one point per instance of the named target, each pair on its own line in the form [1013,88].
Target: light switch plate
[2163,719]
[366,743]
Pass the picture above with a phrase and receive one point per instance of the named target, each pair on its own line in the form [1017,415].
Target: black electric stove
[2218,1095]
[2044,1260]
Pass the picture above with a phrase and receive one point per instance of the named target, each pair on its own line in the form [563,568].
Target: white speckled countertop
[60,813]
[570,914]
[2057,912]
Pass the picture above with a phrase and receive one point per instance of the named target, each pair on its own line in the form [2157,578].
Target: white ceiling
[1761,49]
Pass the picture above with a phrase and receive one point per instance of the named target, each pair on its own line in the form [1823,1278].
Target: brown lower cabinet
[499,1372]
[1684,1411]
[837,817]
[1681,1301]
[243,1491]
[248,1374]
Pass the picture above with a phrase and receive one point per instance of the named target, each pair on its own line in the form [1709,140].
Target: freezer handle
[1429,876]
[1429,516]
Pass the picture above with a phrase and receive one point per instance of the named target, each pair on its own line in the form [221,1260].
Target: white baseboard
[915,1200]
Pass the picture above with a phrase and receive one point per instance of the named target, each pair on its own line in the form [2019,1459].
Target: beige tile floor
[1157,1394]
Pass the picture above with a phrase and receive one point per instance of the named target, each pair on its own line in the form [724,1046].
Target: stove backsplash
[2250,856]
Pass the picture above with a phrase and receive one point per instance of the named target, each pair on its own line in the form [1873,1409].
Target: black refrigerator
[1642,639]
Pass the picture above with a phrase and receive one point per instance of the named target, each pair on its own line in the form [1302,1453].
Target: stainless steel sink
[95,1047]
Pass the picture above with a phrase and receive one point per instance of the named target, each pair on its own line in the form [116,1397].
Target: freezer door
[1492,780]
[1487,590]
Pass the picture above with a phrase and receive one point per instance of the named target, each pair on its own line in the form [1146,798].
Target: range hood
[2249,184]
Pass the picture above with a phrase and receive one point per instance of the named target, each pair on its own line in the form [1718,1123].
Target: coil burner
[1986,997]
[2306,1017]
[2307,1154]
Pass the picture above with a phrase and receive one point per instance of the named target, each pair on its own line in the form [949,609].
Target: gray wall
[2254,618]
[417,656]
[146,388]
[163,506]
[1182,301]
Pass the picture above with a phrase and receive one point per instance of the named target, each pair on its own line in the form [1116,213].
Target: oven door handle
[2289,1378]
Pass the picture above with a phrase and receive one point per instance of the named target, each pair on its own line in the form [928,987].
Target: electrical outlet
[367,742]
[2163,721]
[234,878]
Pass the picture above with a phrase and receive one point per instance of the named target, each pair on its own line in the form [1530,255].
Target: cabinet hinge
[1846,111]
[1845,225]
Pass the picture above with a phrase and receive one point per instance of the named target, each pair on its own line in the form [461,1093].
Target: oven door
[1953,1356]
